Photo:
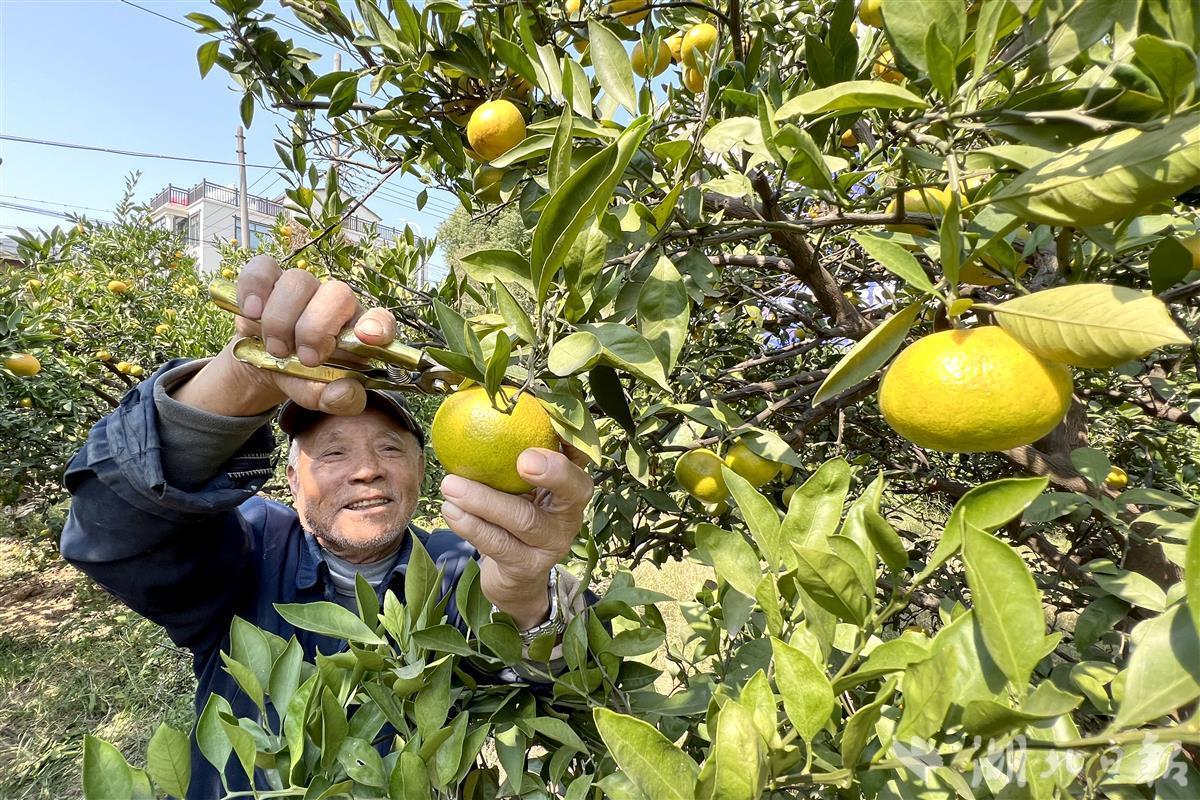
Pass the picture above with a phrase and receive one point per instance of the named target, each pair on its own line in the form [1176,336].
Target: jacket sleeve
[182,558]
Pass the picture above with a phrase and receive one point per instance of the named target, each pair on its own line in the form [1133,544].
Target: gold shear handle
[224,295]
[250,349]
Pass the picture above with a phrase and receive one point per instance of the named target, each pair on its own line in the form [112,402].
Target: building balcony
[174,196]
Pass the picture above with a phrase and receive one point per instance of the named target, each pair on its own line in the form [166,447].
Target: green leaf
[626,349]
[210,736]
[994,504]
[169,760]
[657,767]
[559,731]
[1170,263]
[1132,587]
[328,619]
[663,312]
[732,557]
[1084,25]
[1171,65]
[285,675]
[206,56]
[833,583]
[496,265]
[514,315]
[861,726]
[807,165]
[410,777]
[584,194]
[248,644]
[1007,604]
[735,769]
[1191,572]
[979,678]
[443,639]
[245,679]
[941,64]
[816,507]
[578,352]
[907,23]
[611,61]
[560,152]
[850,97]
[498,363]
[1090,324]
[760,516]
[891,656]
[246,108]
[636,642]
[868,354]
[926,700]
[243,746]
[106,774]
[207,24]
[1164,670]
[1110,178]
[610,396]
[514,57]
[807,694]
[897,260]
[742,132]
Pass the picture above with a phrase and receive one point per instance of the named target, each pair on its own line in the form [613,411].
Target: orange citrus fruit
[699,473]
[23,365]
[648,70]
[495,128]
[473,439]
[972,391]
[699,39]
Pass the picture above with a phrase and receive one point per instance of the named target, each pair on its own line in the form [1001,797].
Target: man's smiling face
[355,482]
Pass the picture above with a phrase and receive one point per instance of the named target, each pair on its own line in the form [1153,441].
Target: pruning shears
[406,368]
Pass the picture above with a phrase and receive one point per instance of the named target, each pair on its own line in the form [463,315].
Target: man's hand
[521,537]
[295,314]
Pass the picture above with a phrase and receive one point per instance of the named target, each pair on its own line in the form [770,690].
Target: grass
[74,661]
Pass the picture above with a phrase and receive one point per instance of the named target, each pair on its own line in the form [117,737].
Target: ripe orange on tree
[474,439]
[118,287]
[974,390]
[495,128]
[699,473]
[699,39]
[23,365]
[637,60]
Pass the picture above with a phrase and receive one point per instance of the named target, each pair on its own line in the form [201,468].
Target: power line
[47,212]
[70,146]
[160,16]
[53,203]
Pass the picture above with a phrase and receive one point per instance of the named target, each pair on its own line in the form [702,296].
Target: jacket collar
[313,570]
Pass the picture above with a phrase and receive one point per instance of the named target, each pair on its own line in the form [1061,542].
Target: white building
[208,213]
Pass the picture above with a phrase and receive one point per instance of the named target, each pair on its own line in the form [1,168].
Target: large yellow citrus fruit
[675,44]
[478,442]
[118,287]
[495,128]
[884,67]
[23,365]
[699,473]
[1117,479]
[926,200]
[751,466]
[487,184]
[871,13]
[648,70]
[968,391]
[699,39]
[693,80]
[628,12]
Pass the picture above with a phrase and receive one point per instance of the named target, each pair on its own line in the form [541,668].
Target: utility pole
[245,201]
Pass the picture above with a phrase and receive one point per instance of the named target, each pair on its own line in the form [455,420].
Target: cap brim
[294,418]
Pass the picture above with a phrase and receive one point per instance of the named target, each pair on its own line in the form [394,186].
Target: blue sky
[103,73]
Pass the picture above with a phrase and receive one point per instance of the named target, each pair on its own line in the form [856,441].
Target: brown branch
[308,105]
[1187,291]
[830,406]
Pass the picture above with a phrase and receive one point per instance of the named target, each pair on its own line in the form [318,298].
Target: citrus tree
[886,312]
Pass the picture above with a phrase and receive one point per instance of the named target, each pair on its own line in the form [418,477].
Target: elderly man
[165,514]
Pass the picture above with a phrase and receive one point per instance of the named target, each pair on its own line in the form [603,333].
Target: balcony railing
[173,195]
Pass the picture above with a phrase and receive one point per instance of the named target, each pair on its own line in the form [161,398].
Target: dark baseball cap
[294,418]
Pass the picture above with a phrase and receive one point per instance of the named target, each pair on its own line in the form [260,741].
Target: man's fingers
[488,538]
[255,283]
[344,397]
[376,326]
[330,309]
[569,485]
[515,514]
[288,299]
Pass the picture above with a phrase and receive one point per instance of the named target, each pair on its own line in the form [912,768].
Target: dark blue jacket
[192,560]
